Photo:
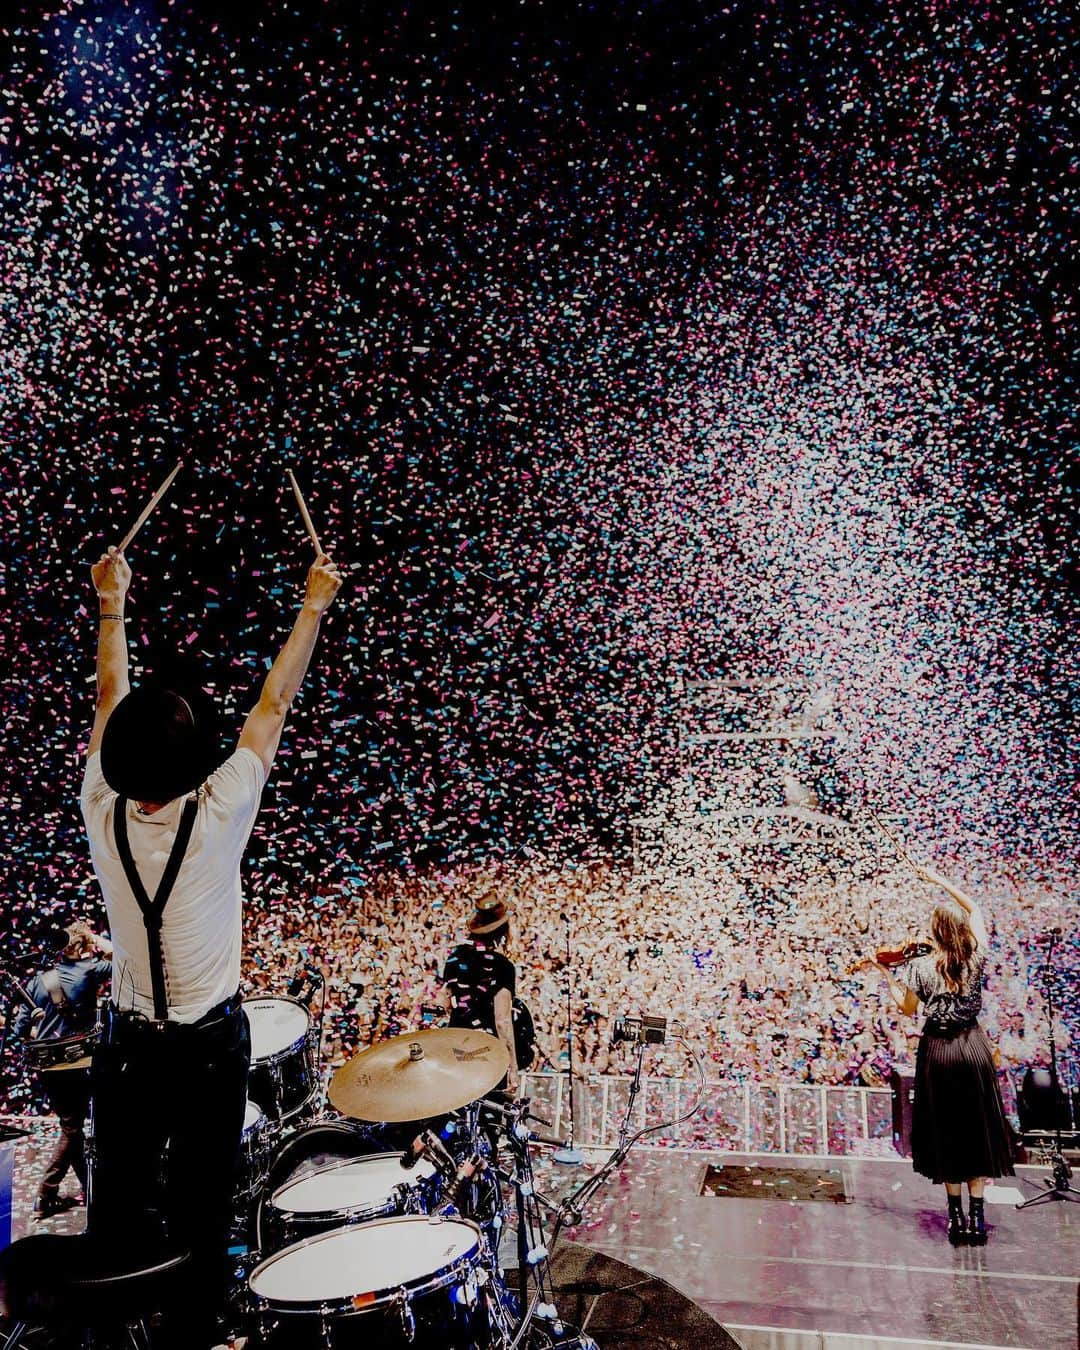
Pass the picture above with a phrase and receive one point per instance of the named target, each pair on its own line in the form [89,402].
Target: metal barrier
[747,1117]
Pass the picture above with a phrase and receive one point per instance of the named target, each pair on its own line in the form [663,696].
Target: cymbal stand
[532,1248]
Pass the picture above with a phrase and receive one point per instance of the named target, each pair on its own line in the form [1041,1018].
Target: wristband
[119,618]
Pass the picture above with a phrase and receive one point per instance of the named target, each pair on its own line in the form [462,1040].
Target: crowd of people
[759,974]
[758,971]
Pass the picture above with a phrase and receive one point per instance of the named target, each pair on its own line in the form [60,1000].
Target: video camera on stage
[644,1030]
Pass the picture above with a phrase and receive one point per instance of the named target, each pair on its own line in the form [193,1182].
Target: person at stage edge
[480,981]
[66,996]
[170,1073]
[959,1132]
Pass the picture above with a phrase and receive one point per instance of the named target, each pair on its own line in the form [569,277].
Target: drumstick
[149,507]
[304,511]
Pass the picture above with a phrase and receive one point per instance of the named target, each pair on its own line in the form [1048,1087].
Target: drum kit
[383,1221]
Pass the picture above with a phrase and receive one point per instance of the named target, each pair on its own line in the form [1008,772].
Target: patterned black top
[946,1011]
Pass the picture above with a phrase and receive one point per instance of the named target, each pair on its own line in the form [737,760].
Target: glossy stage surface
[873,1272]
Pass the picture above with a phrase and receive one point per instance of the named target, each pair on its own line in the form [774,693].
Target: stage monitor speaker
[1040,1105]
[902,1082]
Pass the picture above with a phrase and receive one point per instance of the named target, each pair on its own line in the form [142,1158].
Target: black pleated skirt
[958,1124]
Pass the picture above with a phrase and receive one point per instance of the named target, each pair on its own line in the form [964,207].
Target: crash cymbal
[420,1074]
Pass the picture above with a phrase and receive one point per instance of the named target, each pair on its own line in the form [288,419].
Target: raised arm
[262,730]
[970,908]
[111,576]
[936,879]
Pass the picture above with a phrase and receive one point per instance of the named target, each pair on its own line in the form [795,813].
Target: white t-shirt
[201,925]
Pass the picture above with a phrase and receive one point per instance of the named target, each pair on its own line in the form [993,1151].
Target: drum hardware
[408,1321]
[427,1144]
[1058,1184]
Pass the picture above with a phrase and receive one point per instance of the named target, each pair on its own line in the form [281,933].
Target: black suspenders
[153,910]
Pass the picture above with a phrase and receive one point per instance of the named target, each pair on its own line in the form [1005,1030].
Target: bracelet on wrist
[119,618]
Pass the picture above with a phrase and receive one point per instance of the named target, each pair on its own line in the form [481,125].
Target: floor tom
[386,1285]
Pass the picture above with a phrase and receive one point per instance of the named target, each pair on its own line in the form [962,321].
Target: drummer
[480,980]
[66,995]
[167,830]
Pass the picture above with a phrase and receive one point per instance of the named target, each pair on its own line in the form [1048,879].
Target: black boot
[977,1234]
[958,1229]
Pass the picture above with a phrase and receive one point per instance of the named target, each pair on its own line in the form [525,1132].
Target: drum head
[361,1183]
[252,1115]
[365,1262]
[276,1024]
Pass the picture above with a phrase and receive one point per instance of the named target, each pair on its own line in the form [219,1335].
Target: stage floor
[873,1272]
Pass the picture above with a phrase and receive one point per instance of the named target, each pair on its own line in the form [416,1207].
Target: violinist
[959,1132]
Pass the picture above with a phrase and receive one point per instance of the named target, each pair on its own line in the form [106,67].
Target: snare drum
[282,1078]
[352,1190]
[404,1282]
[60,1052]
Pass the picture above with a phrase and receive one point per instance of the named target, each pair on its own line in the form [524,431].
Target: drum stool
[75,1286]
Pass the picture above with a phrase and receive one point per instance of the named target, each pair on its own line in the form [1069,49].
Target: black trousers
[68,1093]
[168,1116]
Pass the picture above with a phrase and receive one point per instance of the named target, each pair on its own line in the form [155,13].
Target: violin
[889,957]
[900,956]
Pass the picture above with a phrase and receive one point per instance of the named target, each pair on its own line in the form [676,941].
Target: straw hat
[491,913]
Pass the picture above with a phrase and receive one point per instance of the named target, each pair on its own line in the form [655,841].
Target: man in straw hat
[480,979]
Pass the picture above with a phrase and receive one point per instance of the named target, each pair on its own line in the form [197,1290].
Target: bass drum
[393,1284]
[283,1077]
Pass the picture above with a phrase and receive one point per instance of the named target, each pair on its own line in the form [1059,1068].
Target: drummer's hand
[513,1082]
[111,576]
[323,583]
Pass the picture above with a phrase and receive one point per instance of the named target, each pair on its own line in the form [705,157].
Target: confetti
[738,353]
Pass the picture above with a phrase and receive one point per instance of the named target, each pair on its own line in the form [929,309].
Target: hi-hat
[420,1074]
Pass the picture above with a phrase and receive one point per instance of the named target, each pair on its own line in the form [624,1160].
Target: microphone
[427,1145]
[459,1192]
[514,1111]
[297,981]
[412,1154]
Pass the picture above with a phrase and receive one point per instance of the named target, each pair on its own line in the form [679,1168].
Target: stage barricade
[743,1117]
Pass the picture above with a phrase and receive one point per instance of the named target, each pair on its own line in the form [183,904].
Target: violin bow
[901,850]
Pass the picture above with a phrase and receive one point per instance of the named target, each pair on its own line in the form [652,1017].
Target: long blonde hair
[955,945]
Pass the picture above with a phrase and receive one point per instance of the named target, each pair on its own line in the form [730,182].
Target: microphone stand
[569,1155]
[1058,1187]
